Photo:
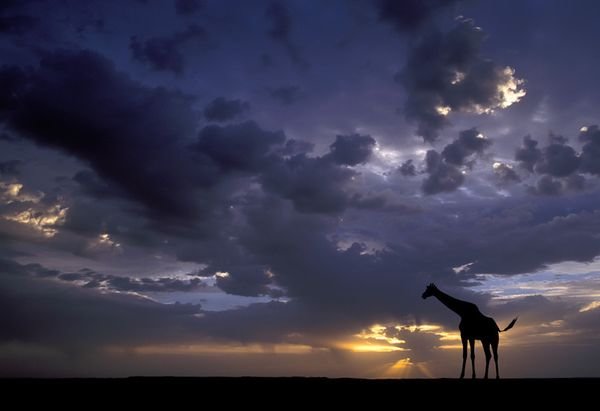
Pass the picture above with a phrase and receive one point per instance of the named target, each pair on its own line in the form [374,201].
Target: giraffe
[473,326]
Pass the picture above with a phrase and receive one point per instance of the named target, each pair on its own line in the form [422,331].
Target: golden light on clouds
[377,332]
[199,349]
[508,92]
[44,221]
[371,347]
[385,338]
[13,192]
[589,307]
[104,243]
[443,110]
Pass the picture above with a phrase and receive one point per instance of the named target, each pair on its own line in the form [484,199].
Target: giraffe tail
[512,323]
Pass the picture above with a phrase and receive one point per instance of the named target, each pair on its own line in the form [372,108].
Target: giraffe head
[429,291]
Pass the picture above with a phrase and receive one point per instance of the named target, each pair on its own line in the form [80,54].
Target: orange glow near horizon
[199,349]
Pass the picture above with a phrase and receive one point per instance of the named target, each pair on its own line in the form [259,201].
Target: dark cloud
[98,320]
[505,174]
[92,279]
[13,82]
[469,142]
[444,170]
[410,15]
[561,238]
[280,26]
[590,152]
[164,284]
[319,184]
[557,163]
[94,186]
[408,169]
[165,53]
[10,168]
[78,102]
[557,160]
[553,186]
[17,24]
[286,95]
[221,109]
[445,72]
[8,137]
[240,147]
[188,7]
[294,147]
[548,185]
[246,281]
[314,185]
[352,149]
[575,182]
[528,154]
[443,177]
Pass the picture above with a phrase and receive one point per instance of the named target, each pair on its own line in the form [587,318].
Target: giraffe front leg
[464,358]
[472,344]
[488,356]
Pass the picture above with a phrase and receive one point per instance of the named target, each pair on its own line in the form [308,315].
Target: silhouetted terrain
[222,392]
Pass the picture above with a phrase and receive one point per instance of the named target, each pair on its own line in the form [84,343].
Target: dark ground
[289,393]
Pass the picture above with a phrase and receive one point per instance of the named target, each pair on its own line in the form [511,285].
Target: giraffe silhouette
[473,326]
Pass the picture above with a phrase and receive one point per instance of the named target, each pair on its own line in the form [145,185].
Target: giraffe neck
[458,306]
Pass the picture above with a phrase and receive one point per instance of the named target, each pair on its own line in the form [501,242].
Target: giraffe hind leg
[464,357]
[495,351]
[472,344]
[488,356]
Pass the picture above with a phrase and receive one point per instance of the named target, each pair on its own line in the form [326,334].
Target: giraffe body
[473,326]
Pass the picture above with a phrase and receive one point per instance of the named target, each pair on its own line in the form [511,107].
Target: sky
[202,187]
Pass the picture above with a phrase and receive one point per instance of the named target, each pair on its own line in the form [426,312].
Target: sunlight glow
[450,347]
[104,242]
[377,332]
[42,221]
[373,348]
[198,349]
[107,240]
[458,77]
[509,91]
[591,306]
[386,338]
[13,192]
[387,155]
[399,369]
[443,110]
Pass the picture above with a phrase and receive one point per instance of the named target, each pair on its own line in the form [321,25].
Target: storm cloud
[279,29]
[352,149]
[410,15]
[442,177]
[221,109]
[166,53]
[447,72]
[469,142]
[153,120]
